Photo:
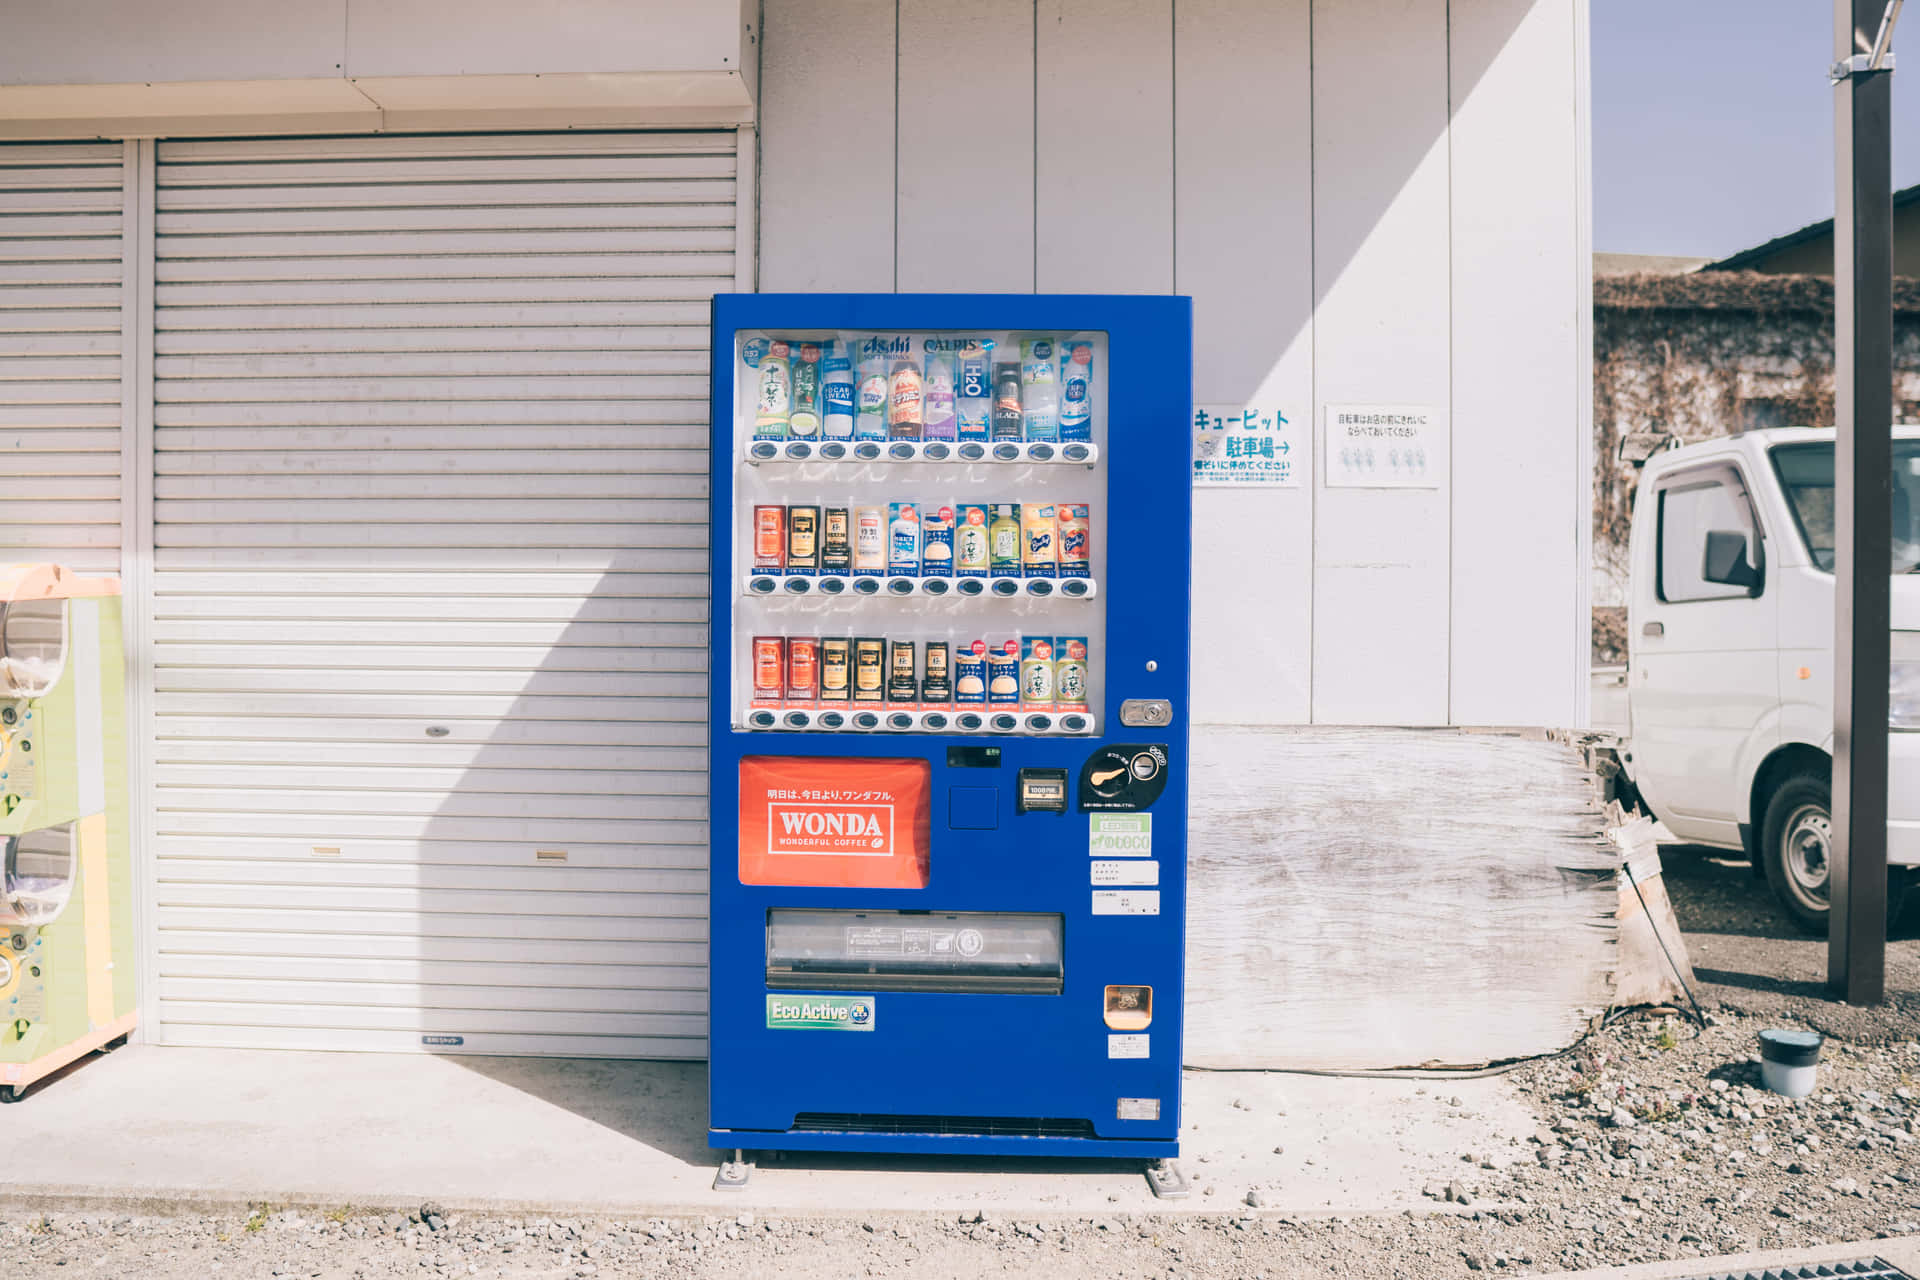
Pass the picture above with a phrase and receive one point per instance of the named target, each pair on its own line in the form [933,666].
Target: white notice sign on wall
[1246,446]
[1386,446]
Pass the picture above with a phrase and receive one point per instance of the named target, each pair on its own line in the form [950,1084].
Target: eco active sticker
[820,1013]
[1120,835]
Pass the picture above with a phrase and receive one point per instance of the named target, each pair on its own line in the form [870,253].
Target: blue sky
[1713,121]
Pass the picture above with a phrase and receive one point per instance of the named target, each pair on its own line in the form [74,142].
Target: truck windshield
[1806,473]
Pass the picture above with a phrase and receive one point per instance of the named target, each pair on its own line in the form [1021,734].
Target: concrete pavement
[150,1129]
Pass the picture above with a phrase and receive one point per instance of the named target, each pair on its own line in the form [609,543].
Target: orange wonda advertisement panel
[835,823]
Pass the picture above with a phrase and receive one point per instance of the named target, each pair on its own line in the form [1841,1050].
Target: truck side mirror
[1727,563]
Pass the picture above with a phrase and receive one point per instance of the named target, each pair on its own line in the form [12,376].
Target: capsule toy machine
[949,725]
[66,892]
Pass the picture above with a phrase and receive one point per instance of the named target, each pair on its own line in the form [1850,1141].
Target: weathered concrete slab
[150,1129]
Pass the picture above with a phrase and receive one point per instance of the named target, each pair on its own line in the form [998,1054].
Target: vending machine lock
[1041,791]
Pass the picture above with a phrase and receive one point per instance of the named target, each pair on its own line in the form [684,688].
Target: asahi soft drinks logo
[859,830]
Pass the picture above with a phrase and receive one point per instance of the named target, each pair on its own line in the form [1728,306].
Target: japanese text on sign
[1245,445]
[1386,446]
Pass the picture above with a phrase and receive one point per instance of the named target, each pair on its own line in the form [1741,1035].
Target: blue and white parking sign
[1246,445]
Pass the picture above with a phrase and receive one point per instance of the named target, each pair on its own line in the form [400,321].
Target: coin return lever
[1041,791]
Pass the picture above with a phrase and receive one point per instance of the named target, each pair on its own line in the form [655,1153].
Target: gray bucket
[1789,1061]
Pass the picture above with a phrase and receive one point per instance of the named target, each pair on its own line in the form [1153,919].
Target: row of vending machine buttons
[1072,722]
[1074,451]
[767,584]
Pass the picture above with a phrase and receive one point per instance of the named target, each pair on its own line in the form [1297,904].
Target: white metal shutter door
[60,274]
[430,505]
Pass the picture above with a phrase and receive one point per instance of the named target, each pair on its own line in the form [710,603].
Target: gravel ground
[1653,1141]
[1749,956]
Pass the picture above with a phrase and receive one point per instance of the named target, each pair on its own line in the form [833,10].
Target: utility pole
[1863,495]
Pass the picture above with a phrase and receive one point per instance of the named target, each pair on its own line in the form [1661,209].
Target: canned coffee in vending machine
[947,733]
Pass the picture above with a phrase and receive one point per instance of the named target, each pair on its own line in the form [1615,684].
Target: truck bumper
[1903,799]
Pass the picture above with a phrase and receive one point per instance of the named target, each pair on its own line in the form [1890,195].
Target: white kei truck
[1729,682]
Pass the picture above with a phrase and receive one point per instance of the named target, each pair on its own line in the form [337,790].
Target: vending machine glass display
[949,677]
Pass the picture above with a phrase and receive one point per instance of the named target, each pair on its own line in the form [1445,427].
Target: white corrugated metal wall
[61,263]
[430,609]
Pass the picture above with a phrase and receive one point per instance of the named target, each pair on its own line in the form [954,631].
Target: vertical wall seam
[1315,436]
[896,146]
[1583,363]
[746,210]
[1453,468]
[137,600]
[1173,144]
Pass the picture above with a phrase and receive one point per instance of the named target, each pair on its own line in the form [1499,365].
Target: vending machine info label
[1120,835]
[1132,871]
[1126,902]
[820,1013]
[1131,1045]
[1137,1109]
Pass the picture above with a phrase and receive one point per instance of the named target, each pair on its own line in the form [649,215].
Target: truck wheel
[1796,842]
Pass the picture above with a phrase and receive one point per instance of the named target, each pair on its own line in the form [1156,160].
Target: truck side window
[1689,511]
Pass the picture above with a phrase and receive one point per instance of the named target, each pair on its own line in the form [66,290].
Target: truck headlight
[1903,695]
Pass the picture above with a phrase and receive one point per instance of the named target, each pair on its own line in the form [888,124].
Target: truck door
[1702,642]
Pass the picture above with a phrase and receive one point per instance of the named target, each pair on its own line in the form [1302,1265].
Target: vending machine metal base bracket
[1166,1181]
[734,1174]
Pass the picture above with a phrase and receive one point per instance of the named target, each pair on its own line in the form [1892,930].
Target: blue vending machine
[949,723]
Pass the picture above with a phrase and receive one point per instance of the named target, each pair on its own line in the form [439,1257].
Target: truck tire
[1796,843]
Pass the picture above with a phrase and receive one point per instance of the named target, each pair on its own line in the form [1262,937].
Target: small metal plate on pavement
[1166,1181]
